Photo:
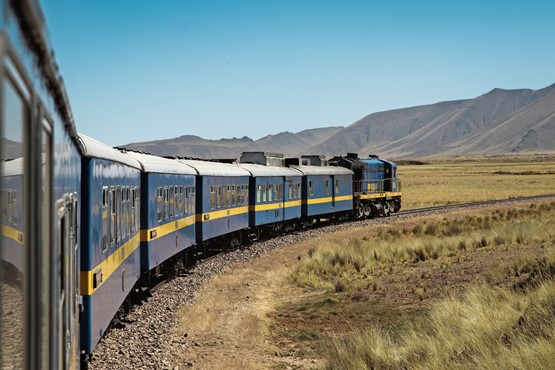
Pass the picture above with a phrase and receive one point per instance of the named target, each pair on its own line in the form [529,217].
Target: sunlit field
[439,182]
[469,290]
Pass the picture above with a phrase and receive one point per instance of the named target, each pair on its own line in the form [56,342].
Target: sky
[141,70]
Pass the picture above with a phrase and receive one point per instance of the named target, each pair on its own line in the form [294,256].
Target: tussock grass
[490,328]
[351,266]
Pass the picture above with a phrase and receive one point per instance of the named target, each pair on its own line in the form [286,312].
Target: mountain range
[498,122]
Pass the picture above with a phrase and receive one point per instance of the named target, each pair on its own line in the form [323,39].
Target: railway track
[155,320]
[474,204]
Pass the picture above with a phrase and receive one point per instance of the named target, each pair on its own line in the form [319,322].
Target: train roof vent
[316,160]
[374,156]
[295,161]
[263,158]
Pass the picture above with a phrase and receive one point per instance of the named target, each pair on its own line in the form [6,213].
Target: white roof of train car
[95,149]
[207,168]
[323,170]
[152,163]
[12,167]
[258,170]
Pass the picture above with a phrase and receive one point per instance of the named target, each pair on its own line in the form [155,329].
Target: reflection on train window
[184,200]
[327,187]
[212,197]
[159,203]
[258,193]
[14,120]
[310,192]
[105,219]
[192,198]
[336,186]
[264,193]
[172,194]
[166,202]
[112,216]
[218,196]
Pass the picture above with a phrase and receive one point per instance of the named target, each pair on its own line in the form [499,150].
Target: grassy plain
[458,180]
[472,289]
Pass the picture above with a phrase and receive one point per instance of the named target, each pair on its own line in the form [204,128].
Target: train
[86,229]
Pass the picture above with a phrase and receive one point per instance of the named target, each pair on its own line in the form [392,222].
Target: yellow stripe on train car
[14,234]
[380,195]
[327,199]
[170,227]
[210,216]
[102,272]
[278,205]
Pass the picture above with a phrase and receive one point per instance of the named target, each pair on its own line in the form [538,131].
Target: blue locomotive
[85,228]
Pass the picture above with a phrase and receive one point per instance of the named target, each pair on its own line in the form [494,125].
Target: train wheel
[367,211]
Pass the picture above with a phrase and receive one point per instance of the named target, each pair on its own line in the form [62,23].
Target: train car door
[65,265]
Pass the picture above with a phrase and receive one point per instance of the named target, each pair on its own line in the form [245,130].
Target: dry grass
[351,265]
[490,328]
[464,180]
[232,309]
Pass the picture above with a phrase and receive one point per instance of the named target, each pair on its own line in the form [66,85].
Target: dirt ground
[251,317]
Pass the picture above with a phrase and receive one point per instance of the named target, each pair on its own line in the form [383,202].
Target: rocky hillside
[287,143]
[498,122]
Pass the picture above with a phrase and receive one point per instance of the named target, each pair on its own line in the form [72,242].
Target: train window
[159,204]
[192,197]
[247,194]
[118,214]
[4,196]
[182,204]
[224,196]
[176,200]
[270,192]
[258,193]
[310,191]
[212,197]
[166,202]
[264,191]
[228,195]
[232,195]
[187,194]
[218,196]
[105,223]
[336,186]
[172,194]
[137,208]
[127,212]
[327,187]
[112,216]
[132,209]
